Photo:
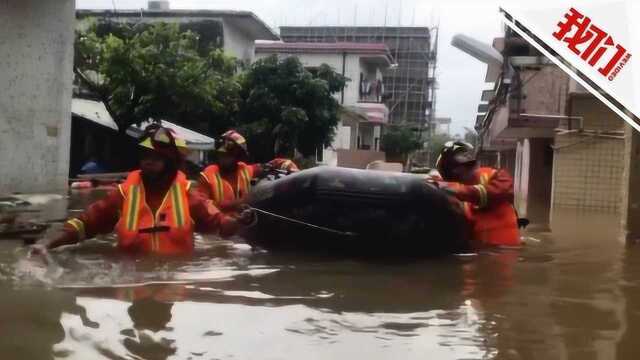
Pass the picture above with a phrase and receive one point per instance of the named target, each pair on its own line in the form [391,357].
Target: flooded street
[569,294]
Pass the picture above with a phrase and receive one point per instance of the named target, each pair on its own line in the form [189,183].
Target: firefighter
[486,195]
[283,151]
[155,209]
[228,182]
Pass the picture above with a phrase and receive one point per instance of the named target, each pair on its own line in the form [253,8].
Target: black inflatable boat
[355,212]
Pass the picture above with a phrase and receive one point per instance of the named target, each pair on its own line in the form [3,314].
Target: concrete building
[564,147]
[441,126]
[517,125]
[233,31]
[357,141]
[36,50]
[410,87]
[589,156]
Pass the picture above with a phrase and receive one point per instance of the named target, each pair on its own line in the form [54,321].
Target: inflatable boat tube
[356,212]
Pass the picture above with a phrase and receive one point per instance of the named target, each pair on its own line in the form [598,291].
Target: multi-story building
[233,31]
[409,88]
[357,141]
[441,126]
[564,147]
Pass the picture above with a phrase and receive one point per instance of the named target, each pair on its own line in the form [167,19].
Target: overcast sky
[460,77]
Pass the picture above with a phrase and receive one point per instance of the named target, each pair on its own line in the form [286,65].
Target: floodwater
[573,293]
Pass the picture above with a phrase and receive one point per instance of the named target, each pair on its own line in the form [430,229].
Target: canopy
[96,112]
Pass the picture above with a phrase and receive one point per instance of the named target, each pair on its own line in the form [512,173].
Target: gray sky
[460,77]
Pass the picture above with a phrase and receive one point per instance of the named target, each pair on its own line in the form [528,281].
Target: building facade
[36,48]
[409,87]
[233,31]
[563,146]
[442,126]
[364,114]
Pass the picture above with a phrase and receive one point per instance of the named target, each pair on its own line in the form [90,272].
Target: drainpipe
[344,64]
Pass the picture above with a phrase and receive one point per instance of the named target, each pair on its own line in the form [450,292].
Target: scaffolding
[411,85]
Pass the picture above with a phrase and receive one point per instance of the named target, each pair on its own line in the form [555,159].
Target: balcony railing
[371,98]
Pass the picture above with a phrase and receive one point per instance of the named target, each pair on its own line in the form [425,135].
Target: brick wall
[588,175]
[588,171]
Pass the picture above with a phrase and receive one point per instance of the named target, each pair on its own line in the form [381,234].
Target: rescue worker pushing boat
[486,195]
[228,181]
[154,210]
[284,151]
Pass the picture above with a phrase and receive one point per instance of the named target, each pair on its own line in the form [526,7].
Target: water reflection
[569,294]
[204,330]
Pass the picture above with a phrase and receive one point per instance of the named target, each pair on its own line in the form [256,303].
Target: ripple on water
[291,331]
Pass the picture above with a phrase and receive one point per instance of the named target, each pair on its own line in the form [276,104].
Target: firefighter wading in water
[228,182]
[486,195]
[154,210]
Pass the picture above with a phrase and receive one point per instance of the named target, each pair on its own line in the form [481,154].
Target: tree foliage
[279,97]
[435,144]
[399,141]
[157,72]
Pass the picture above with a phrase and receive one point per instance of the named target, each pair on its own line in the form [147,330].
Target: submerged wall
[36,58]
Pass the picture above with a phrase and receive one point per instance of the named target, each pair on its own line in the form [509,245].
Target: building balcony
[369,112]
[372,98]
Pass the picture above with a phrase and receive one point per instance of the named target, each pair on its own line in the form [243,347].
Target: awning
[371,112]
[195,141]
[96,112]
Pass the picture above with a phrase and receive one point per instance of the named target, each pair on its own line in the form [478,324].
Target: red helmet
[164,141]
[231,141]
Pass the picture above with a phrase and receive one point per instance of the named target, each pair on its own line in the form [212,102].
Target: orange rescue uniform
[224,190]
[168,230]
[160,218]
[284,164]
[488,205]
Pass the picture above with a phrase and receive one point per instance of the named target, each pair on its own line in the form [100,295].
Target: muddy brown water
[572,293]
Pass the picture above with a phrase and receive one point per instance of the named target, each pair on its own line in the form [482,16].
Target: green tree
[280,98]
[399,141]
[435,145]
[157,72]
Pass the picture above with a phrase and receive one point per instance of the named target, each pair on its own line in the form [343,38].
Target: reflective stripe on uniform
[219,188]
[79,226]
[133,207]
[484,179]
[178,206]
[285,165]
[245,181]
[482,191]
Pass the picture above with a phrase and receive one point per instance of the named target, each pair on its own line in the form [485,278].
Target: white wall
[36,53]
[521,177]
[353,66]
[237,43]
[342,140]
